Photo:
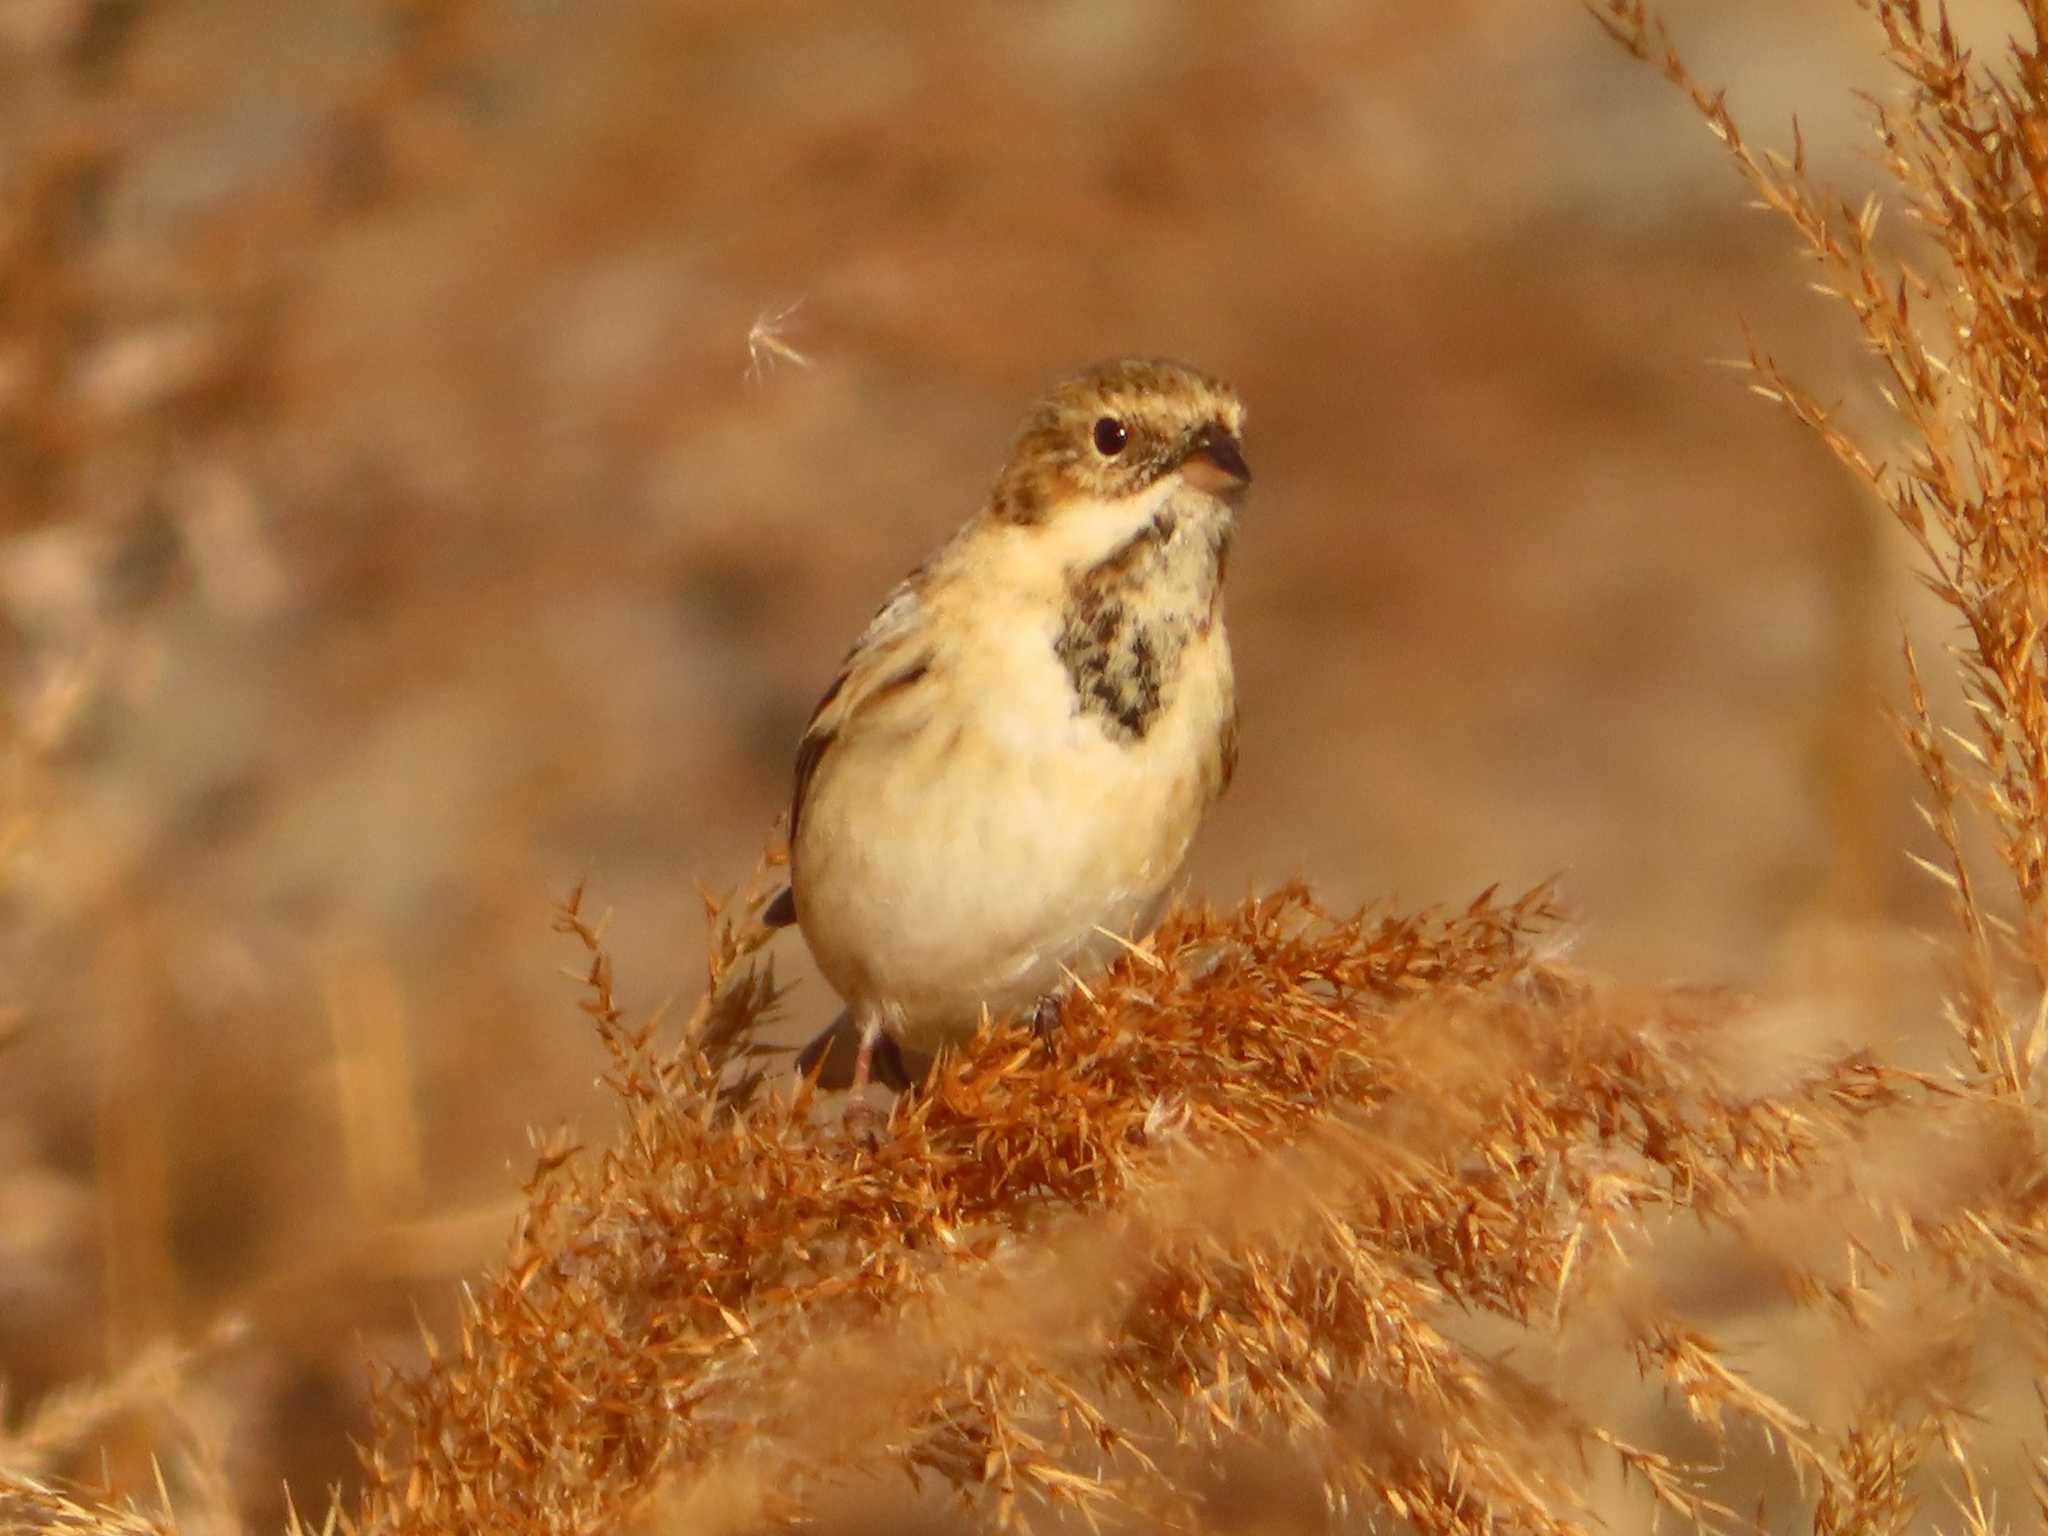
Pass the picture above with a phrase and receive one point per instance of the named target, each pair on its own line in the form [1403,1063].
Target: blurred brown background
[392,531]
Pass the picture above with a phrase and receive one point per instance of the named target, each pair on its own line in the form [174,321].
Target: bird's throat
[1130,617]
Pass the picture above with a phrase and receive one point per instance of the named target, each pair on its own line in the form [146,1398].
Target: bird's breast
[973,850]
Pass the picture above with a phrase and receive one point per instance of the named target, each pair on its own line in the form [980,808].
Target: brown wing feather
[818,739]
[1227,750]
[883,662]
[809,753]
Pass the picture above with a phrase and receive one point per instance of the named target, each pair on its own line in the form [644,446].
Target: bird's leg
[864,1057]
[1045,1018]
[859,1116]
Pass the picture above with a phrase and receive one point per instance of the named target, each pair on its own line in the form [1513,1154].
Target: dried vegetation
[1246,1191]
[1386,1195]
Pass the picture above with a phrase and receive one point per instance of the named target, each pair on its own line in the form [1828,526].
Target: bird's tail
[831,1052]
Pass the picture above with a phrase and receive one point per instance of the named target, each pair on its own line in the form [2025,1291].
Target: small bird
[1001,786]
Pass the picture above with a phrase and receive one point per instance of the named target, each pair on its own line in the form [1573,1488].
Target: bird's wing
[892,655]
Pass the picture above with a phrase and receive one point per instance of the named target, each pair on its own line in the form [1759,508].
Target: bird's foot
[1045,1020]
[859,1119]
[861,1122]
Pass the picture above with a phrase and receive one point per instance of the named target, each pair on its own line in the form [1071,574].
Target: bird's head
[1129,433]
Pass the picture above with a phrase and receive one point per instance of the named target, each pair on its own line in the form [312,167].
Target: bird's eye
[1110,436]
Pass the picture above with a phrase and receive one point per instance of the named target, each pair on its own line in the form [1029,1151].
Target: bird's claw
[1045,1020]
[861,1123]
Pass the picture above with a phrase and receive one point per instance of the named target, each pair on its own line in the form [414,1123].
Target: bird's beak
[1214,462]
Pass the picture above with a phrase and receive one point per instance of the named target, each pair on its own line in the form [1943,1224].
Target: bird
[1001,787]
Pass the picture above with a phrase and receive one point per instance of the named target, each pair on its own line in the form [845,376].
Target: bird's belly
[949,869]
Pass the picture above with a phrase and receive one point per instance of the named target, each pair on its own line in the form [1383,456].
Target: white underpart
[966,841]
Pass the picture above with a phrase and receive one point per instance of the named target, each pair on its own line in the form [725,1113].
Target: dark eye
[1110,436]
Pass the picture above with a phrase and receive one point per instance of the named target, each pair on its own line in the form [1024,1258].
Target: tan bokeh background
[392,531]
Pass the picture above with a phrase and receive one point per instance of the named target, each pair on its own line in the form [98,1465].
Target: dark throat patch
[1129,619]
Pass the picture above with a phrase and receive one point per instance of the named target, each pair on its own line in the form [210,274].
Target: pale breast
[970,844]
